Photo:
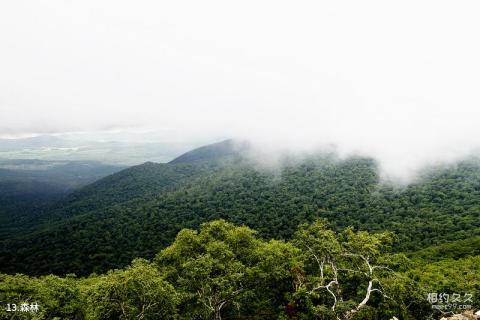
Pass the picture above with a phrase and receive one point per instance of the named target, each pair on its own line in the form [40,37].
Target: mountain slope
[442,207]
[27,185]
[142,182]
[214,152]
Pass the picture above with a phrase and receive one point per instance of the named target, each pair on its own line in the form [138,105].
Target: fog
[397,81]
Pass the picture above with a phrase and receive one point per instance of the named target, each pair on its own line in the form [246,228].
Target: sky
[396,80]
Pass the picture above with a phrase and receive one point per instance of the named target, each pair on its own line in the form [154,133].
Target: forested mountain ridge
[68,175]
[27,186]
[214,152]
[137,182]
[150,179]
[138,211]
[142,181]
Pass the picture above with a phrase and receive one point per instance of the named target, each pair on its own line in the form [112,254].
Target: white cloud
[396,80]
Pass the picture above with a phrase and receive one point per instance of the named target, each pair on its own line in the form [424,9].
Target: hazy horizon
[398,82]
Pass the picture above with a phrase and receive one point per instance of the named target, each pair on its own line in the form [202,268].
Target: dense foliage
[28,187]
[225,271]
[138,211]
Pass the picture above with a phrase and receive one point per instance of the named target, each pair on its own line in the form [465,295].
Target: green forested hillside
[142,182]
[212,153]
[223,271]
[27,187]
[454,250]
[137,182]
[138,211]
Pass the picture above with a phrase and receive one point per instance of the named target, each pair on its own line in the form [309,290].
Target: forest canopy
[139,211]
[224,271]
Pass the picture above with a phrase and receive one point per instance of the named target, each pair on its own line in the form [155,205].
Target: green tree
[54,297]
[342,272]
[138,292]
[213,269]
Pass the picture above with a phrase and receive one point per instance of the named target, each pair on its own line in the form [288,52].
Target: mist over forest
[250,160]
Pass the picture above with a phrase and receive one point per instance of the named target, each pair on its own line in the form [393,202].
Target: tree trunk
[218,314]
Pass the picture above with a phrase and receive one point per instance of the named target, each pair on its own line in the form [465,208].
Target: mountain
[28,185]
[146,180]
[214,152]
[137,211]
[70,174]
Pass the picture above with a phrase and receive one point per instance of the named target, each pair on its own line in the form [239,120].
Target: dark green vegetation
[138,211]
[225,271]
[26,186]
[348,246]
[66,175]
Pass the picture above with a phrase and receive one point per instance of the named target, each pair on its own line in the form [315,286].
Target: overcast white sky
[398,80]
